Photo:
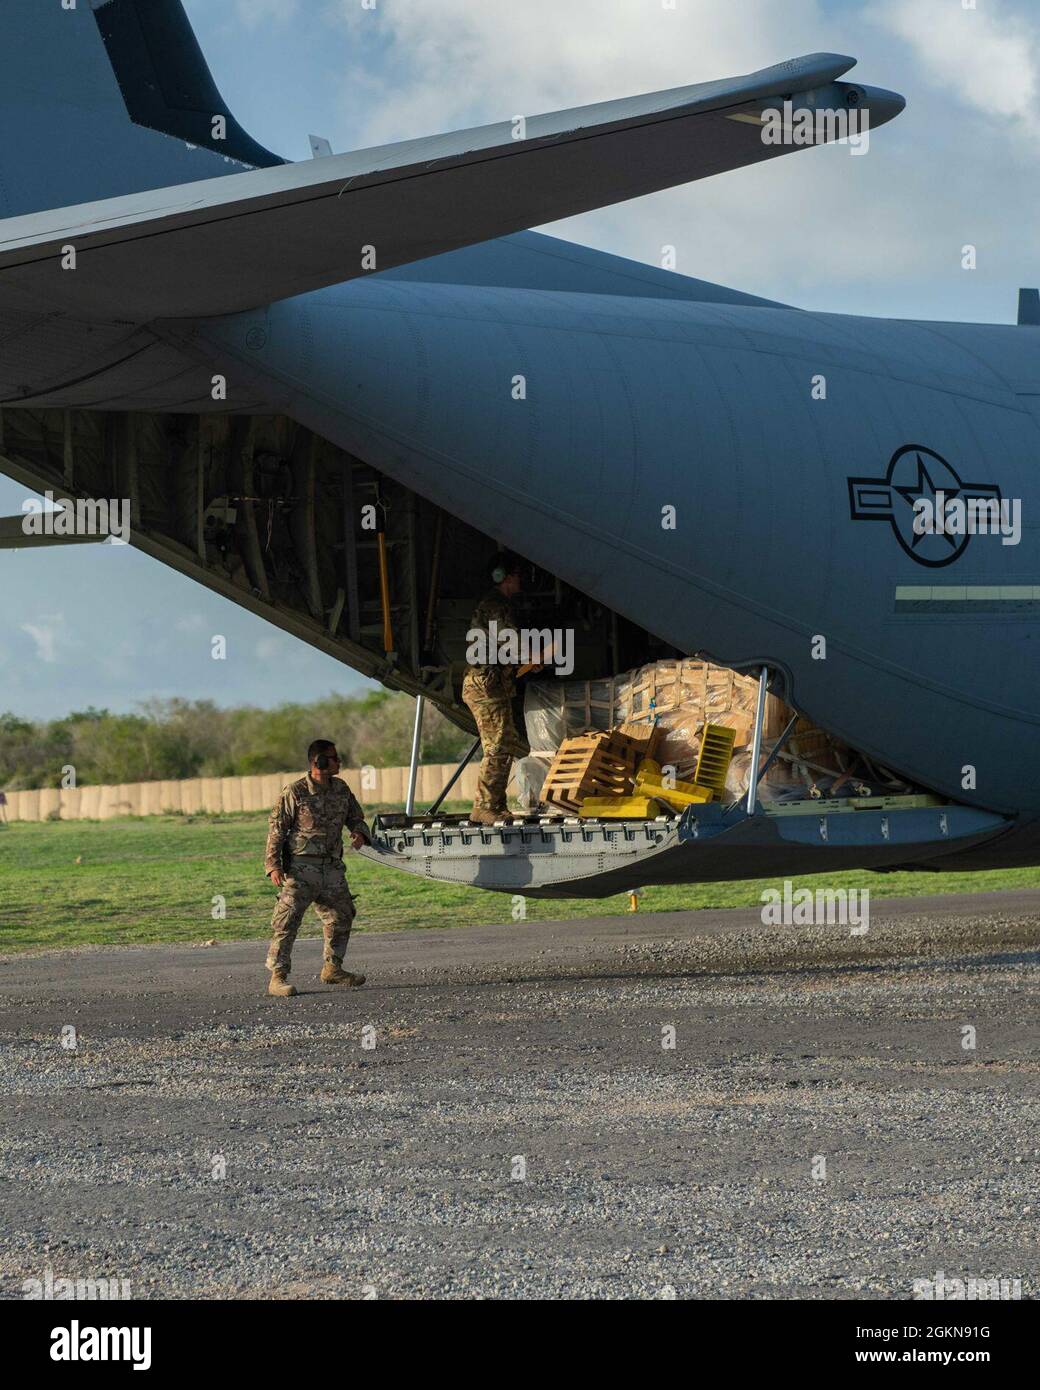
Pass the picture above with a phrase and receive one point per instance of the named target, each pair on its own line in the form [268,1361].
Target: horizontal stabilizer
[231,244]
[533,261]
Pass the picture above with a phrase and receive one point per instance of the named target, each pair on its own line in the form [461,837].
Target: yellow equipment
[619,808]
[678,795]
[715,757]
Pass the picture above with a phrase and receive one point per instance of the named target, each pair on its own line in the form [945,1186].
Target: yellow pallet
[619,808]
[678,795]
[715,757]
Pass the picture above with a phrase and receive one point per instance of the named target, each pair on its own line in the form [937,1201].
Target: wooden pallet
[645,737]
[596,764]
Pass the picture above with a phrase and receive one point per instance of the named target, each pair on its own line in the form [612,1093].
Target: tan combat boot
[480,816]
[280,985]
[333,974]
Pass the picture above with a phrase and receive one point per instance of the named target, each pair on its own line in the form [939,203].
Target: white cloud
[464,62]
[254,13]
[46,634]
[886,227]
[190,623]
[984,56]
[467,59]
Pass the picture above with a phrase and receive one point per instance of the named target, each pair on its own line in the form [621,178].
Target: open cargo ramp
[554,857]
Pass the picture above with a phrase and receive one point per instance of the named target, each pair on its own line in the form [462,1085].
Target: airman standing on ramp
[488,689]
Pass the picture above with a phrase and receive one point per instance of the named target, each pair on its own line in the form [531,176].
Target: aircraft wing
[230,244]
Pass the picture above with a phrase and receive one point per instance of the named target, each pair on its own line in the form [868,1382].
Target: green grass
[153,879]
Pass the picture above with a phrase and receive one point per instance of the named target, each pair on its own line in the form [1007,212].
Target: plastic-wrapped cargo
[530,773]
[556,709]
[679,697]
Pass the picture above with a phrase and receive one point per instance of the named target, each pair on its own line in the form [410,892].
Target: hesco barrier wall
[378,786]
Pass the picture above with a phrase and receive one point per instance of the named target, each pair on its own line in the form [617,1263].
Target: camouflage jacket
[491,678]
[309,820]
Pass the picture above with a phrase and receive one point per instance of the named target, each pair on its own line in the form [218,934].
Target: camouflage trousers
[501,744]
[324,884]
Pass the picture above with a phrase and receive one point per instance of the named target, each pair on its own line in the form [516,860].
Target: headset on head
[510,565]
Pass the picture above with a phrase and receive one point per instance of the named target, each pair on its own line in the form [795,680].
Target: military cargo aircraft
[253,352]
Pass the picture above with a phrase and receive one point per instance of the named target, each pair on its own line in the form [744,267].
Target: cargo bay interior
[319,543]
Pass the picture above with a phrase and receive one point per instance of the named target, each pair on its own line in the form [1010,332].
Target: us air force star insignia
[914,473]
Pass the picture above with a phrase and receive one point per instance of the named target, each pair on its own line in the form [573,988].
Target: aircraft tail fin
[108,97]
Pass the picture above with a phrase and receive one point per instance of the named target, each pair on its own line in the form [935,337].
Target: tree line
[173,739]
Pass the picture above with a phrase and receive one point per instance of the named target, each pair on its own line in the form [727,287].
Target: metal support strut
[774,752]
[454,778]
[756,746]
[413,766]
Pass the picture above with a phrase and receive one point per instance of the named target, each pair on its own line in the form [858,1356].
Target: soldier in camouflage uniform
[488,692]
[305,860]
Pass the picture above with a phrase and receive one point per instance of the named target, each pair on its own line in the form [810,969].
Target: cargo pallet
[594,765]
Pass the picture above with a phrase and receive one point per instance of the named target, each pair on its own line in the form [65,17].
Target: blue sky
[106,626]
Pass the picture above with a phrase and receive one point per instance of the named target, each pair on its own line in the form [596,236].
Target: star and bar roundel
[913,473]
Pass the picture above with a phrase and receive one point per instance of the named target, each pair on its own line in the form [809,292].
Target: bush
[174,739]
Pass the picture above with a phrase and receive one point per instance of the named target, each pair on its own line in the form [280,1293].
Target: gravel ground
[394,1171]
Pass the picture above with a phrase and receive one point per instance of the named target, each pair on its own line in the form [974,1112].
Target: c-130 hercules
[369,313]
